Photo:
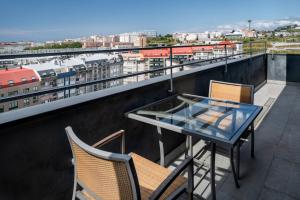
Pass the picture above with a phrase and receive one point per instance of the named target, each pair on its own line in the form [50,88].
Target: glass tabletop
[216,118]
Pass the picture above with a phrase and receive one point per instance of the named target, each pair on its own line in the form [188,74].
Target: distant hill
[286,28]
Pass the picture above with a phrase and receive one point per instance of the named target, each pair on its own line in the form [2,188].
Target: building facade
[15,82]
[61,72]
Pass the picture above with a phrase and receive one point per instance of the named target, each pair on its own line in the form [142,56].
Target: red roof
[17,76]
[202,48]
[228,43]
[155,53]
[164,53]
[182,50]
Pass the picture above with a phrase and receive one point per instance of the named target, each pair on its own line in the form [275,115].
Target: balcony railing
[34,145]
[248,52]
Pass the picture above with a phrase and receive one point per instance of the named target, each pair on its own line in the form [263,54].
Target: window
[34,99]
[13,105]
[33,78]
[1,95]
[26,102]
[1,109]
[24,80]
[26,90]
[10,82]
[35,88]
[13,93]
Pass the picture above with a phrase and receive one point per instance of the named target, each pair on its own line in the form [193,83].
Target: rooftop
[17,76]
[70,62]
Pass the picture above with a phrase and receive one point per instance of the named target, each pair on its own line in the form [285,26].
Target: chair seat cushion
[151,175]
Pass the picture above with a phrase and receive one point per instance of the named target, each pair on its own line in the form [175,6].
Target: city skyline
[40,20]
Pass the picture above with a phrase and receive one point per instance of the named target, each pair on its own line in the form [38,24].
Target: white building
[180,36]
[205,36]
[190,37]
[133,63]
[63,72]
[136,38]
[215,34]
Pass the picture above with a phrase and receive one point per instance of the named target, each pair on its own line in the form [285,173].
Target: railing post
[165,65]
[251,51]
[265,47]
[250,44]
[171,70]
[226,58]
[137,70]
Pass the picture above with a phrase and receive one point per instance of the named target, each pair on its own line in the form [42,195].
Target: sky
[39,20]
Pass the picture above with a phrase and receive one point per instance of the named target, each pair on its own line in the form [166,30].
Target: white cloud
[261,24]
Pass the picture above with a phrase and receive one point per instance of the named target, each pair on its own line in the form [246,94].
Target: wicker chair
[239,93]
[100,174]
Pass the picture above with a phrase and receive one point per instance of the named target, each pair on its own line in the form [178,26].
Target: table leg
[191,181]
[252,140]
[191,146]
[212,170]
[238,160]
[233,168]
[188,146]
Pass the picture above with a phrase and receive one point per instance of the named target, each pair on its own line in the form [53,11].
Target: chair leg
[252,140]
[212,170]
[233,168]
[161,147]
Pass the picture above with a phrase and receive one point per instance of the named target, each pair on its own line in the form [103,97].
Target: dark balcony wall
[293,68]
[284,67]
[277,67]
[35,154]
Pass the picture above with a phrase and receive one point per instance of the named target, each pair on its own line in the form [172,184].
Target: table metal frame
[214,141]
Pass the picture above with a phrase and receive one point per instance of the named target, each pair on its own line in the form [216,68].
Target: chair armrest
[188,162]
[120,133]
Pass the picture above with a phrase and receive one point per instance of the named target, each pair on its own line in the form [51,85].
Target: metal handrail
[57,52]
[78,85]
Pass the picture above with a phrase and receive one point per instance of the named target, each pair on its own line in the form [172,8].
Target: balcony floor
[275,171]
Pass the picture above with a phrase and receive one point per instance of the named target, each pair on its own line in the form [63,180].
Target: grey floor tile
[268,194]
[284,177]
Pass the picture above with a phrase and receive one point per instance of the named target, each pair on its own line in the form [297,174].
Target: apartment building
[221,51]
[102,66]
[133,63]
[7,63]
[159,58]
[57,73]
[154,59]
[18,81]
[61,72]
[138,39]
[203,52]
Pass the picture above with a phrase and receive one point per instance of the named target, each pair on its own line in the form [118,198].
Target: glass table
[216,121]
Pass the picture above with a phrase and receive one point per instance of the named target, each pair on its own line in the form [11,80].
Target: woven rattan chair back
[103,175]
[231,91]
